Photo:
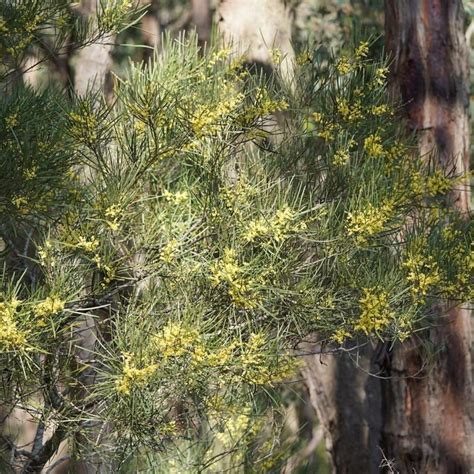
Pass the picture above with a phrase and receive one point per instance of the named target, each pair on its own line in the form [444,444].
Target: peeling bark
[428,423]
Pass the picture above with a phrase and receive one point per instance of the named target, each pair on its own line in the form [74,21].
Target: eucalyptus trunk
[427,408]
[93,62]
[202,19]
[347,401]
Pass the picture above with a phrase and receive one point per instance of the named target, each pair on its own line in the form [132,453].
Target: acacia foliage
[164,255]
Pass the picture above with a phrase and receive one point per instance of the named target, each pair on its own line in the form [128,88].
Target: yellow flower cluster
[255,363]
[218,56]
[205,357]
[169,251]
[344,65]
[179,197]
[341,157]
[362,50]
[112,216]
[235,428]
[177,343]
[133,376]
[375,311]
[48,307]
[423,273]
[438,183]
[240,289]
[277,228]
[83,126]
[30,173]
[87,245]
[373,146]
[175,340]
[349,112]
[45,254]
[51,305]
[3,25]
[347,64]
[263,106]
[381,109]
[381,75]
[276,56]
[11,337]
[208,120]
[369,222]
[11,121]
[340,335]
[303,58]
[109,272]
[21,203]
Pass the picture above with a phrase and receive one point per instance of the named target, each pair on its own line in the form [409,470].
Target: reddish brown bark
[428,426]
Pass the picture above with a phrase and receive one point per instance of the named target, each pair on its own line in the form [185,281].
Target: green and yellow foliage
[203,225]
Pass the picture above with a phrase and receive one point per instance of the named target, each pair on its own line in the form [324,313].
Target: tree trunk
[202,19]
[93,62]
[347,402]
[261,31]
[428,424]
[150,28]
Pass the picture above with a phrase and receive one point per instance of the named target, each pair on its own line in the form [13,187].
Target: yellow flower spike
[341,157]
[303,58]
[87,245]
[169,251]
[276,56]
[318,117]
[97,259]
[50,306]
[179,197]
[350,112]
[21,203]
[423,273]
[11,337]
[240,289]
[380,110]
[362,50]
[176,340]
[373,146]
[30,173]
[340,336]
[376,313]
[112,216]
[11,121]
[133,376]
[438,184]
[381,75]
[369,221]
[344,66]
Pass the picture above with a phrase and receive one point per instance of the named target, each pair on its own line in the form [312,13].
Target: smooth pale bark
[259,30]
[428,424]
[93,62]
[150,28]
[202,19]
